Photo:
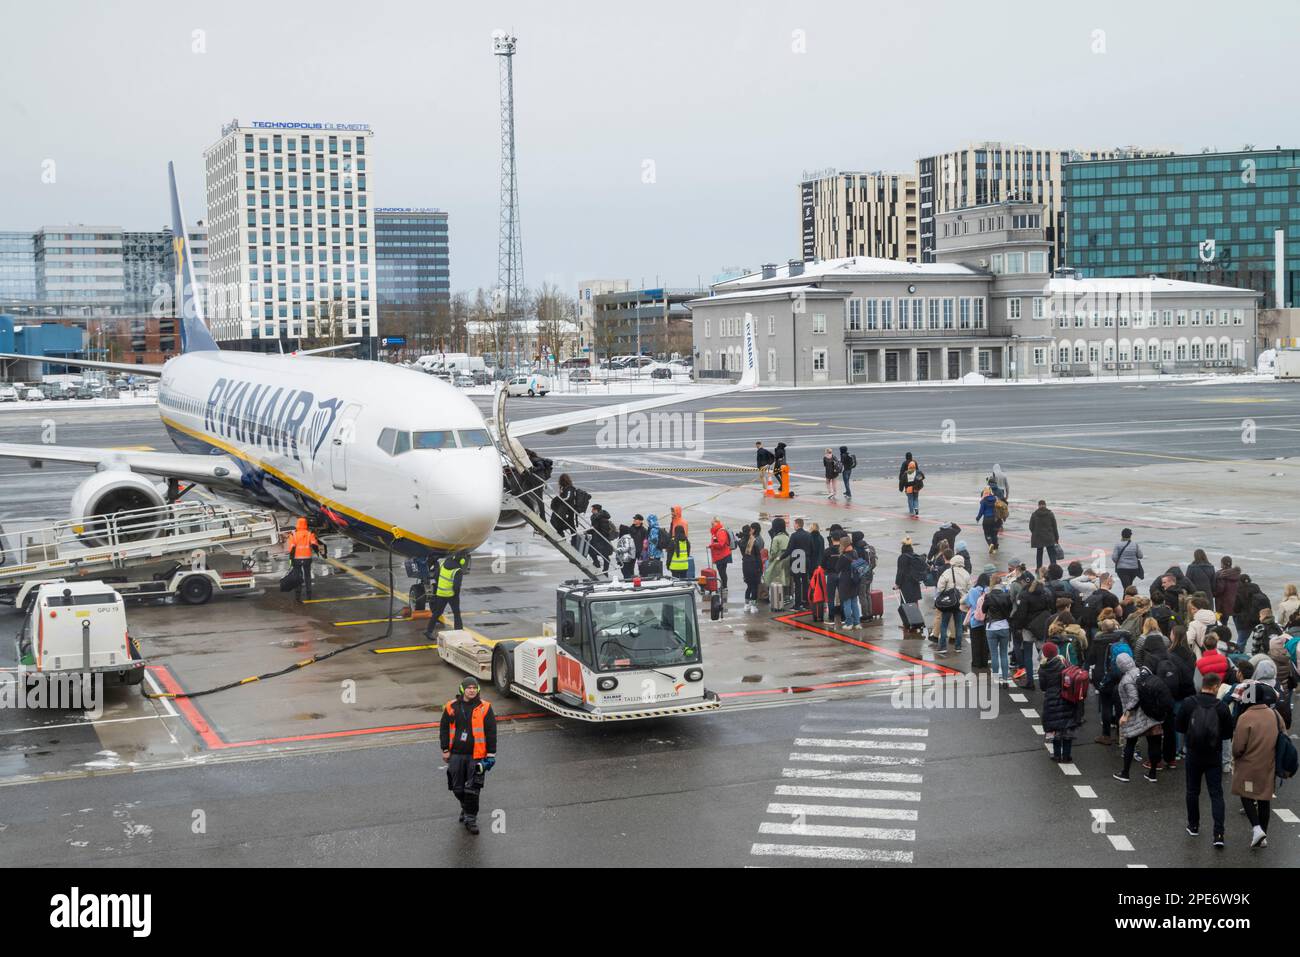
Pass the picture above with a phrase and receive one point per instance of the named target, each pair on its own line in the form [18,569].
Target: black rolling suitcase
[910,614]
[651,568]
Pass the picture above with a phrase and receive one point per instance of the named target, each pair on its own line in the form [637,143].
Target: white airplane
[389,456]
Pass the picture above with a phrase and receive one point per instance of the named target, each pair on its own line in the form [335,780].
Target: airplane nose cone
[466,498]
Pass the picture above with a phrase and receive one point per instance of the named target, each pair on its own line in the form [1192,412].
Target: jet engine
[109,505]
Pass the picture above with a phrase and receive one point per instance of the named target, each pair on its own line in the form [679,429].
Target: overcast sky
[716,95]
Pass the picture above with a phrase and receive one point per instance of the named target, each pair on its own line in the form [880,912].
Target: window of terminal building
[819,323]
[1013,308]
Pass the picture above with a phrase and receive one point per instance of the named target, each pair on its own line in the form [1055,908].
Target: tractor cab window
[644,633]
[573,631]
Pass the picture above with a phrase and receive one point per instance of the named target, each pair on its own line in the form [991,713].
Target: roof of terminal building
[1118,284]
[849,268]
[768,292]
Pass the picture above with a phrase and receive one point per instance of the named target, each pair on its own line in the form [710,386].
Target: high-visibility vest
[301,542]
[447,579]
[681,557]
[476,719]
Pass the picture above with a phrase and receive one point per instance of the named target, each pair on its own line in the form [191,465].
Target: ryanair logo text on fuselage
[279,420]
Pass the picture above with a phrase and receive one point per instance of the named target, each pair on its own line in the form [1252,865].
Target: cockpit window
[435,440]
[474,438]
[403,443]
[387,440]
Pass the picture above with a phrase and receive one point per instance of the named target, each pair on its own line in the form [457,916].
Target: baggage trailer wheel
[503,671]
[195,590]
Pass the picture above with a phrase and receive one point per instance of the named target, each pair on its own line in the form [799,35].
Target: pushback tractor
[621,651]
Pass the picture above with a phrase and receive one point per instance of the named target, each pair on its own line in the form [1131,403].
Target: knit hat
[1050,650]
[469,682]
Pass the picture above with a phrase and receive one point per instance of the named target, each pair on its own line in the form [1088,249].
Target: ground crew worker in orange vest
[468,737]
[300,544]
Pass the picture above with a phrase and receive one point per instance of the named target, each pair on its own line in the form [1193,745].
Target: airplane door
[344,435]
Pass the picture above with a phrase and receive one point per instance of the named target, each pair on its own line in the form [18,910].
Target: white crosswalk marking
[856,758]
[842,810]
[1120,842]
[1286,815]
[1018,698]
[832,853]
[867,744]
[860,794]
[1029,712]
[882,732]
[826,774]
[838,830]
[854,733]
[1084,791]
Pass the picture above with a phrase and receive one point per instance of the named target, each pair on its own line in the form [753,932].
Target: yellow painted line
[368,621]
[744,408]
[394,651]
[319,601]
[404,596]
[132,448]
[750,419]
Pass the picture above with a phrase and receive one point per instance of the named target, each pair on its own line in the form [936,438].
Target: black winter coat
[910,575]
[751,560]
[1058,714]
[1201,575]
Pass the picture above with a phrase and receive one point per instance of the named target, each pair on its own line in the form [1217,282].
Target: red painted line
[213,740]
[187,709]
[790,620]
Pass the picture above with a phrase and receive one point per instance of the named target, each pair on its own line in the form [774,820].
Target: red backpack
[1074,684]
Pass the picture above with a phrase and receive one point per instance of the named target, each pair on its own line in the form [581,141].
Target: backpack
[1286,760]
[836,468]
[581,499]
[1167,671]
[1001,510]
[1074,684]
[977,613]
[664,539]
[1116,649]
[858,570]
[851,461]
[1203,729]
[1154,697]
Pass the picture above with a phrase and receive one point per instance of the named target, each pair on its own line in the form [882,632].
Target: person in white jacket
[1199,627]
[957,578]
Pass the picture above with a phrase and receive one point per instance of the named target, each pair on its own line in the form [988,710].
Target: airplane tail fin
[195,336]
[749,358]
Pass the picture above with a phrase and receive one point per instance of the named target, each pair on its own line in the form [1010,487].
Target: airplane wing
[554,424]
[323,349]
[213,470]
[127,367]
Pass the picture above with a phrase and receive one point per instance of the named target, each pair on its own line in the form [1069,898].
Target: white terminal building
[290,233]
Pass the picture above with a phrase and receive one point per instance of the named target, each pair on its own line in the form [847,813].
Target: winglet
[749,374]
[195,336]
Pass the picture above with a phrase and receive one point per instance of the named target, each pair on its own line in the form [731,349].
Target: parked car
[482,377]
[462,380]
[580,375]
[531,385]
[34,395]
[8,393]
[661,372]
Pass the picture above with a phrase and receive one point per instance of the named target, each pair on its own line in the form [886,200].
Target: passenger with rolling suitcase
[910,575]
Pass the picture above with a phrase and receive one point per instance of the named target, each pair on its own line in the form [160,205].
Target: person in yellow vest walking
[301,544]
[467,735]
[679,554]
[447,592]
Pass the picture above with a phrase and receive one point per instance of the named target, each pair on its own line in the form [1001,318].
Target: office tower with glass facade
[291,242]
[413,270]
[1203,217]
[17,266]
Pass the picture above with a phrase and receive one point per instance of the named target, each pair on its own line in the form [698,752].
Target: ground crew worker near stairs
[301,544]
[468,737]
[450,573]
